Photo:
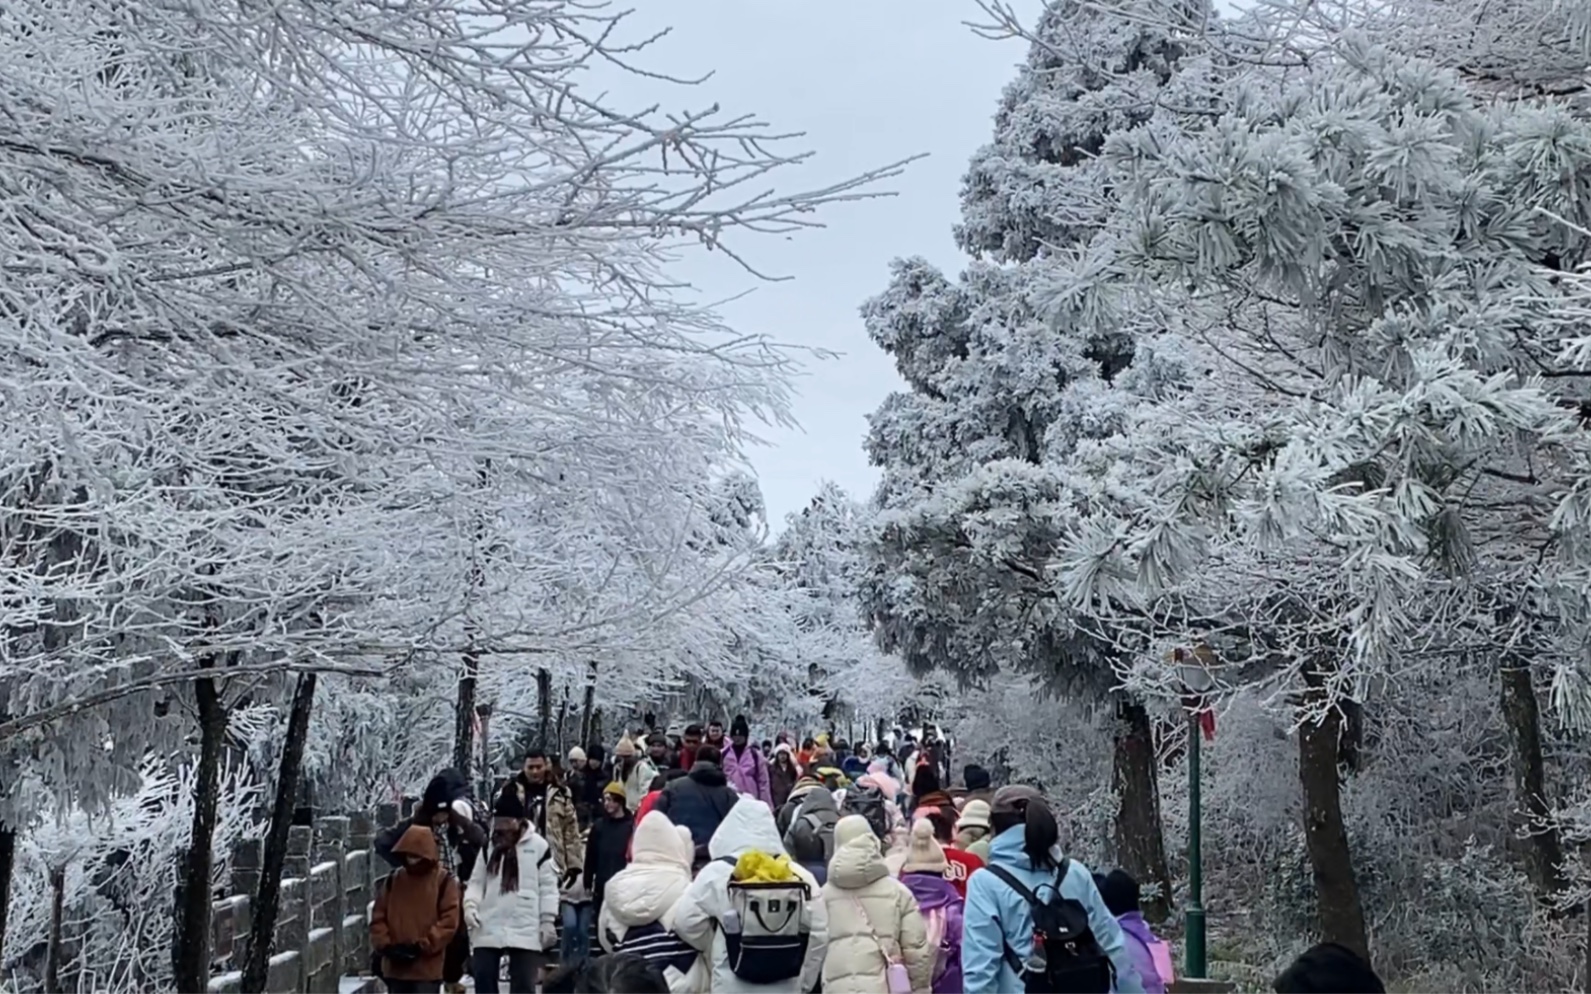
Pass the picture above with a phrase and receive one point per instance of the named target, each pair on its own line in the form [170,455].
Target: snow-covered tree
[1372,460]
[970,508]
[339,342]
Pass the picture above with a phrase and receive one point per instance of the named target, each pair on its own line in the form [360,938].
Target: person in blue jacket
[1026,845]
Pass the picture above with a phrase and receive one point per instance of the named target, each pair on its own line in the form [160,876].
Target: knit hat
[976,777]
[822,739]
[925,855]
[851,827]
[596,752]
[740,726]
[625,748]
[975,815]
[508,805]
[577,756]
[617,790]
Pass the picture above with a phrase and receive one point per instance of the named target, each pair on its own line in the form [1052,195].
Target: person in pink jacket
[746,768]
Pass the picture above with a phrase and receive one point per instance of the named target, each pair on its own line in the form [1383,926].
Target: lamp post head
[1193,667]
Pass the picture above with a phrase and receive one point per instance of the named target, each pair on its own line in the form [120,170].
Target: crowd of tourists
[711,862]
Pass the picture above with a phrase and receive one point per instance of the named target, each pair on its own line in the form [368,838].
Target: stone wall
[323,925]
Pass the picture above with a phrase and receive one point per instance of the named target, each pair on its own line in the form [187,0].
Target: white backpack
[767,928]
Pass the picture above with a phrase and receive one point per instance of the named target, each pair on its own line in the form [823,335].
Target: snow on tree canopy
[1093,69]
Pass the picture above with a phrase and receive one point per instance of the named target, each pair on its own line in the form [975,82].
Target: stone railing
[323,926]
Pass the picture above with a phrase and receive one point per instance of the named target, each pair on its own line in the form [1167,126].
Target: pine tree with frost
[971,506]
[1385,450]
[1093,69]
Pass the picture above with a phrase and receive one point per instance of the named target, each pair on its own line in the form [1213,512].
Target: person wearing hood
[607,843]
[511,902]
[653,792]
[638,910]
[700,800]
[997,938]
[416,915]
[972,829]
[926,874]
[745,766]
[1151,956]
[698,917]
[874,924]
[782,774]
[632,771]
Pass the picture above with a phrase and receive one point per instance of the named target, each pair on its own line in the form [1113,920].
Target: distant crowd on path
[714,863]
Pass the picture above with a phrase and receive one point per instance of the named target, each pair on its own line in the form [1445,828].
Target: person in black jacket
[607,844]
[447,810]
[585,783]
[700,800]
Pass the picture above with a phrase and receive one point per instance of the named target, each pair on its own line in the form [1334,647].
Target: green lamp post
[1193,670]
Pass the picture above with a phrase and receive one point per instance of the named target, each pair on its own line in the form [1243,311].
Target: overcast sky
[870,82]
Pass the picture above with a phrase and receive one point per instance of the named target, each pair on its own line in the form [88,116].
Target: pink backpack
[1161,954]
[934,919]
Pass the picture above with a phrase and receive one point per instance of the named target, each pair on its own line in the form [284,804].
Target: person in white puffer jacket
[511,902]
[638,905]
[699,915]
[873,919]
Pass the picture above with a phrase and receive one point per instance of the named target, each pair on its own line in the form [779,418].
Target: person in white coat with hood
[874,923]
[511,902]
[698,917]
[638,908]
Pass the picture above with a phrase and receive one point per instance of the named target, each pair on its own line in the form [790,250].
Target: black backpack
[869,802]
[1066,957]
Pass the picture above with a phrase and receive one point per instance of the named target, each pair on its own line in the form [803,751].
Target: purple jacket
[933,891]
[748,773]
[1139,939]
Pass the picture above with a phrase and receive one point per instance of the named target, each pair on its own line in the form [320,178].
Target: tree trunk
[52,949]
[543,706]
[1140,840]
[1325,836]
[266,899]
[191,943]
[1532,816]
[464,712]
[587,706]
[8,861]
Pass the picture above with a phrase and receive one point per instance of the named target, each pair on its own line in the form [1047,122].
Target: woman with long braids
[511,902]
[1030,892]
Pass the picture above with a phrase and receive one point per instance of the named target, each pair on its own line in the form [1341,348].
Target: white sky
[870,82]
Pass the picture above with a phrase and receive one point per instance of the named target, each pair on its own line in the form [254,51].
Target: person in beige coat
[873,918]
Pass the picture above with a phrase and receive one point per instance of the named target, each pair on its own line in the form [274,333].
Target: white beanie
[577,755]
[926,855]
